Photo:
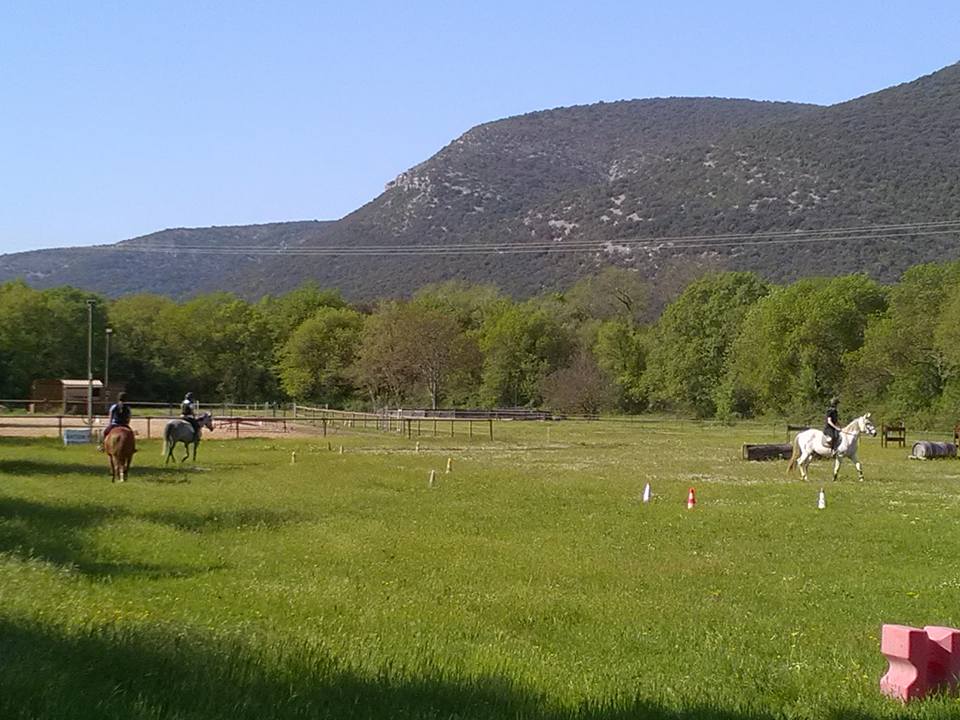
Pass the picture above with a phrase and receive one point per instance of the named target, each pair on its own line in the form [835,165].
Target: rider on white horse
[188,411]
[813,443]
[832,429]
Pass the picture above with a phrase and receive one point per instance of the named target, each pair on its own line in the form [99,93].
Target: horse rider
[188,411]
[832,427]
[119,416]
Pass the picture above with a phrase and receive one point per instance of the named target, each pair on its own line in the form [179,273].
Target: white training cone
[821,500]
[293,458]
[341,449]
[433,478]
[418,446]
[449,465]
[691,499]
[646,493]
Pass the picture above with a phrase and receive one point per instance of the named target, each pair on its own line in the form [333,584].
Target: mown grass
[531,582]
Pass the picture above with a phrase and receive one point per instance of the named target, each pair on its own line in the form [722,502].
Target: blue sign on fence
[76,436]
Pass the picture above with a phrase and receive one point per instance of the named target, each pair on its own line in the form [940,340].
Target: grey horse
[181,431]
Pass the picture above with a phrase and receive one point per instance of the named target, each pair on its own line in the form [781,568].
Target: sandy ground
[226,429]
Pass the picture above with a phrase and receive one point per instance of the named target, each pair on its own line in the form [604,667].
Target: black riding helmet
[189,396]
[834,401]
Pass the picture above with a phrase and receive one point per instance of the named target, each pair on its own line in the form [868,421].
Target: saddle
[830,445]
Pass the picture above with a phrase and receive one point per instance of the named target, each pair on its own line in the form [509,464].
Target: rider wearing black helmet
[832,428]
[119,415]
[188,411]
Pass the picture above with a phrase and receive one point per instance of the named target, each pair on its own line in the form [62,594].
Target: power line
[729,240]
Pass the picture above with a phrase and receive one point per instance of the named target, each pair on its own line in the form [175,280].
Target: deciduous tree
[314,362]
[688,356]
[521,345]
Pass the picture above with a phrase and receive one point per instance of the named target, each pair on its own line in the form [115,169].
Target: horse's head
[866,425]
[206,420]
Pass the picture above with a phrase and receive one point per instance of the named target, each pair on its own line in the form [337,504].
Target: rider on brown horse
[119,416]
[118,439]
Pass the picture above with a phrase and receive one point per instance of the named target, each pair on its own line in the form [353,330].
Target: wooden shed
[68,397]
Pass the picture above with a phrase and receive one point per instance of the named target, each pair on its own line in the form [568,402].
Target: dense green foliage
[909,358]
[730,345]
[530,583]
[790,353]
[43,334]
[314,362]
[693,338]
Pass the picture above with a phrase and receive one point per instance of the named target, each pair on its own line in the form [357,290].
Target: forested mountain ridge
[606,174]
[888,157]
[119,269]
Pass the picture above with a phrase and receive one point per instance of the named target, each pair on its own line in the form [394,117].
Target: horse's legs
[836,467]
[802,463]
[856,463]
[113,469]
[195,443]
[186,452]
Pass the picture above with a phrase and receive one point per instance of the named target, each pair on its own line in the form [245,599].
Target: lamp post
[90,363]
[106,369]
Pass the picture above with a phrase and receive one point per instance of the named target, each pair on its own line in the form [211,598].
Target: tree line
[729,345]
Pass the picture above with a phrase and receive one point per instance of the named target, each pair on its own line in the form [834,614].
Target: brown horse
[120,446]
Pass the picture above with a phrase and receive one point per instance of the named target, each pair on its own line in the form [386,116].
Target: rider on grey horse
[832,429]
[188,411]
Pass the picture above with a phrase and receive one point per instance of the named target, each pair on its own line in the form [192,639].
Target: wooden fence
[392,421]
[152,424]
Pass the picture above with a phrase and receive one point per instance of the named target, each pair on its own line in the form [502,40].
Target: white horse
[810,444]
[181,431]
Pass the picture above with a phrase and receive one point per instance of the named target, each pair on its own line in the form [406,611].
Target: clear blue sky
[121,118]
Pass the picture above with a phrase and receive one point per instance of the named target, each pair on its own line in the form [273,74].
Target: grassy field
[530,582]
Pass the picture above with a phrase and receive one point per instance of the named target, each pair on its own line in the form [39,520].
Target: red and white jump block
[921,661]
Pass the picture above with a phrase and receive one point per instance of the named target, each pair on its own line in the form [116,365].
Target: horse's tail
[795,455]
[166,441]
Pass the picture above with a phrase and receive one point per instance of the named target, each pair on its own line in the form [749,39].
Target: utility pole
[90,304]
[106,369]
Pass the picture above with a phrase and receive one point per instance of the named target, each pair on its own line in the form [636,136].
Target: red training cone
[691,499]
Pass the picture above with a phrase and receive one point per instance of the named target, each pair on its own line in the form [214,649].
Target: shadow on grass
[146,473]
[214,521]
[161,477]
[41,467]
[58,534]
[167,474]
[116,672]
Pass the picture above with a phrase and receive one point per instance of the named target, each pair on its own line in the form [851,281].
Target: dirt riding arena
[227,428]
